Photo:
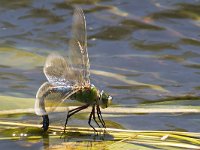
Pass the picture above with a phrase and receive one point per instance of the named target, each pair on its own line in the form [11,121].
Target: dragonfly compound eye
[105,100]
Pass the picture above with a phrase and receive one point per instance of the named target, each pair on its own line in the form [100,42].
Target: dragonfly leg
[100,116]
[72,112]
[45,122]
[94,117]
[90,117]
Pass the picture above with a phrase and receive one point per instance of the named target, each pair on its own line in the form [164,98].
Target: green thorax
[88,95]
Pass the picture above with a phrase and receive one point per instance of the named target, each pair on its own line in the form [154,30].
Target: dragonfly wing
[78,47]
[50,96]
[58,70]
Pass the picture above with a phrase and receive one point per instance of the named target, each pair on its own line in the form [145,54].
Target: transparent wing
[78,47]
[58,71]
[49,97]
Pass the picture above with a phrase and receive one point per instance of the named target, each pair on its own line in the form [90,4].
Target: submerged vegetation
[84,138]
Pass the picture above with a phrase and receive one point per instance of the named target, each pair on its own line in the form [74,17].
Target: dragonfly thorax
[91,95]
[88,95]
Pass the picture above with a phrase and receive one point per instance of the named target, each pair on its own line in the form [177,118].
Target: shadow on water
[182,11]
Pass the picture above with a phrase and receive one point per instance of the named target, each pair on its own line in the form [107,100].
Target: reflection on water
[131,45]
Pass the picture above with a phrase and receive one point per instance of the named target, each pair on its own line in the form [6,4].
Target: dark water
[150,41]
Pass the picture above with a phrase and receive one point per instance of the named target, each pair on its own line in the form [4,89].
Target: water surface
[151,42]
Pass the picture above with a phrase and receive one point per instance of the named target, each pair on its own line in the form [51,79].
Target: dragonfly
[69,79]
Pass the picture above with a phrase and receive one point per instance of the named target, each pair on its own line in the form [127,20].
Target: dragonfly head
[104,99]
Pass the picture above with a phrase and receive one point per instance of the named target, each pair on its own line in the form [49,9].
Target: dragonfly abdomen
[49,97]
